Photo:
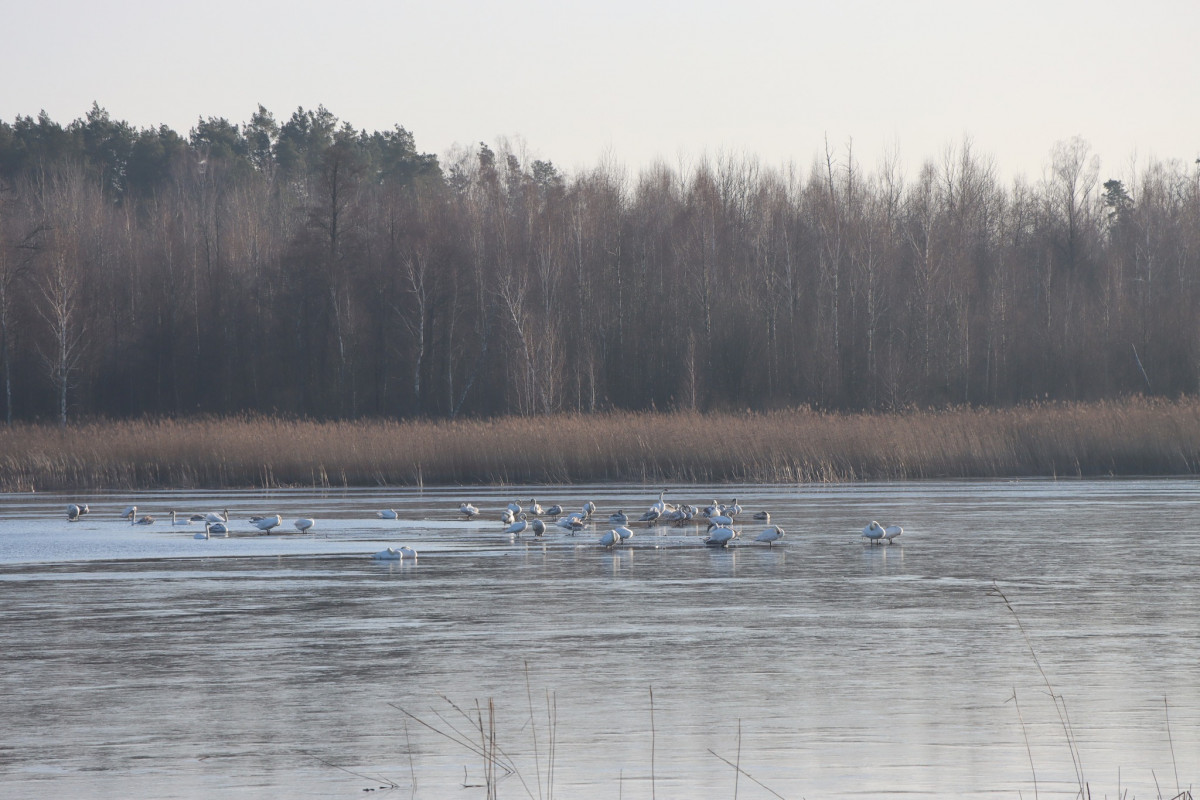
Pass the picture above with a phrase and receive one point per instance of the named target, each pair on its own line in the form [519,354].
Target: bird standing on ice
[304,523]
[470,510]
[771,535]
[721,537]
[891,532]
[873,532]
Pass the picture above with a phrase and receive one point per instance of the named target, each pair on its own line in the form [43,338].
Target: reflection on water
[145,663]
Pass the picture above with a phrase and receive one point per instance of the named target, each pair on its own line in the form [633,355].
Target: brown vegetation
[1135,437]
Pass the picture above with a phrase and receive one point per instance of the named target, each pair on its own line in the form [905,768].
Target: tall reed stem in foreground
[1060,702]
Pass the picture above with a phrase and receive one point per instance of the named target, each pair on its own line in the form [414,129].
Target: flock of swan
[719,518]
[519,518]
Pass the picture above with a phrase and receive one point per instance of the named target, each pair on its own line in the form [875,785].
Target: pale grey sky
[636,81]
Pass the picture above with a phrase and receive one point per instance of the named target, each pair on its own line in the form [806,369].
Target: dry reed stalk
[1132,437]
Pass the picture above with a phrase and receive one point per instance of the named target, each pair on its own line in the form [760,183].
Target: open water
[142,662]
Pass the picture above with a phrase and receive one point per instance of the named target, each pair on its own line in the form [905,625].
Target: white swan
[650,517]
[518,526]
[176,520]
[201,534]
[771,535]
[470,510]
[721,537]
[891,532]
[554,510]
[304,523]
[407,552]
[265,524]
[217,527]
[572,523]
[623,532]
[75,511]
[387,513]
[873,532]
[214,517]
[538,527]
[390,554]
[507,516]
[610,538]
[589,508]
[733,510]
[534,510]
[619,518]
[661,505]
[720,521]
[129,513]
[762,516]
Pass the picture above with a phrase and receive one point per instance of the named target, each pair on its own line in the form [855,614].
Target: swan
[515,507]
[216,527]
[660,506]
[719,521]
[214,517]
[129,512]
[873,532]
[304,523]
[387,513]
[623,532]
[573,523]
[407,552]
[390,554]
[589,508]
[75,511]
[470,510]
[771,535]
[762,516]
[538,526]
[265,524]
[534,509]
[733,510]
[610,538]
[201,534]
[650,517]
[517,526]
[891,532]
[144,520]
[175,520]
[721,537]
[554,510]
[619,518]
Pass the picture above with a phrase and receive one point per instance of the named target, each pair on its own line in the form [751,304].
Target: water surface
[141,662]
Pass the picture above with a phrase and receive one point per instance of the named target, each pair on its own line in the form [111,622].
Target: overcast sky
[635,81]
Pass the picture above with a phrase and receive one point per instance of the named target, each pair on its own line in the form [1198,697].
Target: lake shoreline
[1133,437]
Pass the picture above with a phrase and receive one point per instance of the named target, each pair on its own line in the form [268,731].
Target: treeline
[307,268]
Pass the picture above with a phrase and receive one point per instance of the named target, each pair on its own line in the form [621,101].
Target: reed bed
[1133,437]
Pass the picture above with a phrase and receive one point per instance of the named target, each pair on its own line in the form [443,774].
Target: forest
[304,268]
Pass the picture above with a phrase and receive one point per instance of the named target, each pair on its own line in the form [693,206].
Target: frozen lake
[141,662]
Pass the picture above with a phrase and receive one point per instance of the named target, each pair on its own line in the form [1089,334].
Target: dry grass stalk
[1134,437]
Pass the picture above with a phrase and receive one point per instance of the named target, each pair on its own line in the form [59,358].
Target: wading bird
[265,524]
[721,537]
[771,535]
